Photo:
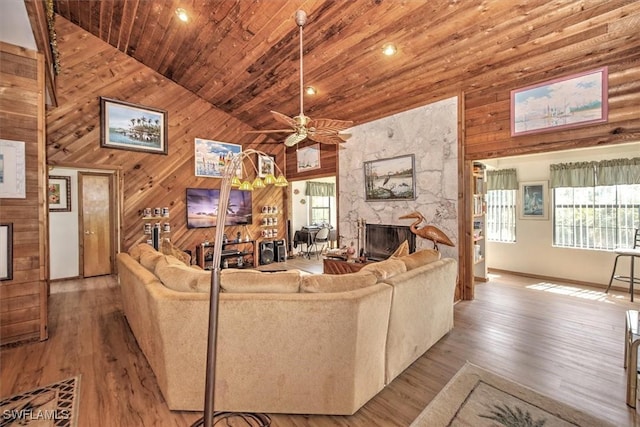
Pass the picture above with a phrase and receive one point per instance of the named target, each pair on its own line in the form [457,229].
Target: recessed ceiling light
[389,49]
[182,14]
[310,90]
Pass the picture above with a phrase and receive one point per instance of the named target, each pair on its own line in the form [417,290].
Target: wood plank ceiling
[242,56]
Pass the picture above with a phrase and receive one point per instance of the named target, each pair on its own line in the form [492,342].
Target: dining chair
[632,254]
[322,236]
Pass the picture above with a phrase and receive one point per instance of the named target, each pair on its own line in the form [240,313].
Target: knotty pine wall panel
[92,68]
[23,299]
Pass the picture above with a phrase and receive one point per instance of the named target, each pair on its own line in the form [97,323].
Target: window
[501,215]
[320,209]
[598,217]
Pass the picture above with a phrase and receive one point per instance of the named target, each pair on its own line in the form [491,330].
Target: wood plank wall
[91,69]
[23,300]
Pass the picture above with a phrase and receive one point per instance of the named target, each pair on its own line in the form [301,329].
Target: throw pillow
[402,250]
[179,277]
[149,259]
[169,248]
[420,258]
[329,283]
[138,249]
[385,269]
[255,281]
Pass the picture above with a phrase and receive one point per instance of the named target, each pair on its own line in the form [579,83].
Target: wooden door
[96,223]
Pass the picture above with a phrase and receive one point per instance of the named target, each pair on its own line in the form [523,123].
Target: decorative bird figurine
[428,232]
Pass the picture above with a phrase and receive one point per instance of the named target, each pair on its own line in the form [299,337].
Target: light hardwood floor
[565,341]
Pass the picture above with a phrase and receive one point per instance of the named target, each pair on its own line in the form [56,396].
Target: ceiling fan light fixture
[310,90]
[182,14]
[389,49]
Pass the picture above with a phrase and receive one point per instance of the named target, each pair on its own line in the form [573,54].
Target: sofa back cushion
[175,275]
[137,250]
[327,283]
[254,281]
[149,259]
[420,258]
[169,248]
[384,269]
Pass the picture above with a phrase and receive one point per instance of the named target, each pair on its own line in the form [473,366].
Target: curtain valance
[589,174]
[502,179]
[320,189]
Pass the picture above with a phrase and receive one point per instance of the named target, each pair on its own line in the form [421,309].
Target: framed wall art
[12,170]
[571,101]
[308,158]
[59,193]
[134,127]
[6,251]
[211,157]
[533,200]
[266,165]
[390,179]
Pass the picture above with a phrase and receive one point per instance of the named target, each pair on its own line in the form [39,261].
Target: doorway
[84,239]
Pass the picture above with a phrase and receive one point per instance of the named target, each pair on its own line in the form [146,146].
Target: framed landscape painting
[308,158]
[133,127]
[211,157]
[576,100]
[390,179]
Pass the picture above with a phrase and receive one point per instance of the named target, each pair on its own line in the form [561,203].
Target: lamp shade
[281,181]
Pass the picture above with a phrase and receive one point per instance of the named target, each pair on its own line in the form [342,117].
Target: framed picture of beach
[212,157]
[133,127]
[571,101]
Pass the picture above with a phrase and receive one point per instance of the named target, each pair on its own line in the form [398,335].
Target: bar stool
[632,253]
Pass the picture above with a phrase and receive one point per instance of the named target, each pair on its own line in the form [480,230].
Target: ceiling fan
[325,131]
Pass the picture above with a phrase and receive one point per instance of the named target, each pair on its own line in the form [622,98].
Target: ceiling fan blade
[330,124]
[286,120]
[295,138]
[269,131]
[325,138]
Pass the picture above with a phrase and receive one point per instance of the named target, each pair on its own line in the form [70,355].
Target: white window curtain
[320,189]
[502,179]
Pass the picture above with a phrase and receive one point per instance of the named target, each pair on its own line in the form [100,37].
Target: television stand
[340,266]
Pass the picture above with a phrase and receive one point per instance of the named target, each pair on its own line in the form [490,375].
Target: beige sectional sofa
[288,342]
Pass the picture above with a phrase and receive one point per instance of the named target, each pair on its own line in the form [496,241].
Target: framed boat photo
[127,126]
[576,100]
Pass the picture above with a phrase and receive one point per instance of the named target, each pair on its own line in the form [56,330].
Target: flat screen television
[382,240]
[202,207]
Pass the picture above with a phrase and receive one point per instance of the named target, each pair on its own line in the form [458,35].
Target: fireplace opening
[382,240]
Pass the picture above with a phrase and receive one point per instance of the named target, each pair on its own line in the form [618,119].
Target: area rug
[476,397]
[54,405]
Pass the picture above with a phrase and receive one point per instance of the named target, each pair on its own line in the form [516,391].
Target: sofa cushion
[254,281]
[149,259]
[169,248]
[401,250]
[385,269]
[420,258]
[138,249]
[175,275]
[328,283]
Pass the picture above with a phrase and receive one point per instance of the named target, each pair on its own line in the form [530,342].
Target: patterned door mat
[54,405]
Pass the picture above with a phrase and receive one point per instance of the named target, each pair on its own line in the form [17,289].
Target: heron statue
[428,232]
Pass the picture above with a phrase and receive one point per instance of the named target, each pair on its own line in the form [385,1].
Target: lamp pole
[223,202]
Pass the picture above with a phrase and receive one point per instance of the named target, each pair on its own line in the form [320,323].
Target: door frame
[113,215]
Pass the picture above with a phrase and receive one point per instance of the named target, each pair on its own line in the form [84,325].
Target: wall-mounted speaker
[280,251]
[266,253]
